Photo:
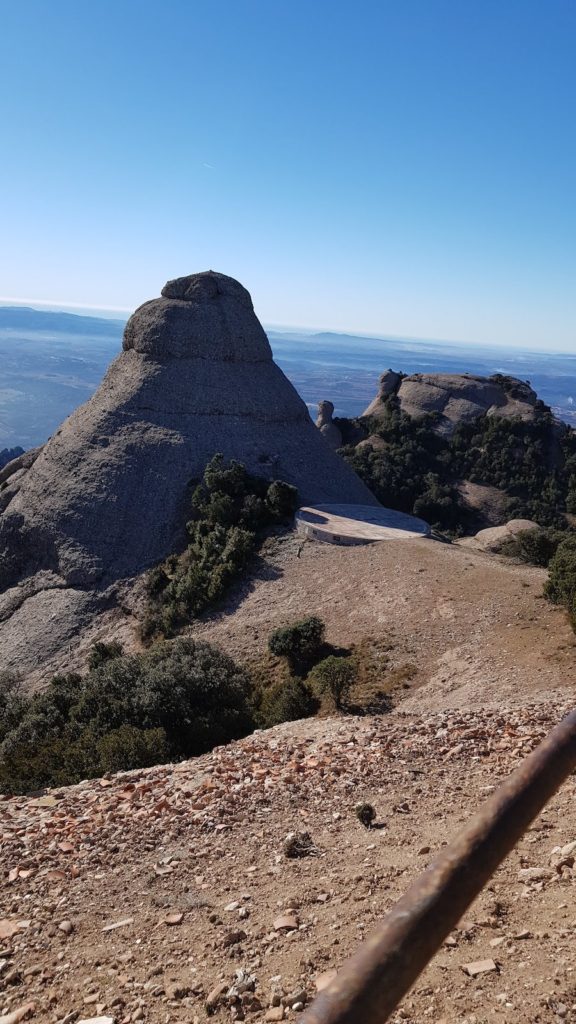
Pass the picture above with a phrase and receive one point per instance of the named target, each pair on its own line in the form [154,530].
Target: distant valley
[51,362]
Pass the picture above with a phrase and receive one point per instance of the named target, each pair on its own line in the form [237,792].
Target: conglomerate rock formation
[329,430]
[456,397]
[106,497]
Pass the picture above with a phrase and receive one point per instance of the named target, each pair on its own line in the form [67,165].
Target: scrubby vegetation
[231,512]
[366,814]
[561,586]
[300,643]
[334,676]
[533,463]
[177,700]
[285,701]
[537,547]
[7,454]
[313,668]
[102,652]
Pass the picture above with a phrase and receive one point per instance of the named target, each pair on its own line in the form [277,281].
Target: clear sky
[387,166]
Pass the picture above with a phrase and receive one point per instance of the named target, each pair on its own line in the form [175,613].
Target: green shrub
[13,702]
[366,814]
[281,501]
[231,510]
[27,768]
[102,651]
[561,585]
[130,747]
[537,547]
[176,700]
[439,505]
[300,643]
[334,676]
[285,702]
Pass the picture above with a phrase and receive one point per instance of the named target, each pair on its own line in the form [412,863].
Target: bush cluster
[286,701]
[177,700]
[418,470]
[7,454]
[315,672]
[300,643]
[334,676]
[561,585]
[231,511]
[537,547]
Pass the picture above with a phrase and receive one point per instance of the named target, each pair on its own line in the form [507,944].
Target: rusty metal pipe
[372,982]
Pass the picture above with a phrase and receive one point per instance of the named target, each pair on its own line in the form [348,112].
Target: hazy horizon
[107,313]
[53,361]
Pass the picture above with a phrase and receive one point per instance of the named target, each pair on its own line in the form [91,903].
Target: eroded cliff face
[456,398]
[106,497]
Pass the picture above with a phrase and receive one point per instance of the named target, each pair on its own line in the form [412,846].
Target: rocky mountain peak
[206,286]
[202,316]
[107,496]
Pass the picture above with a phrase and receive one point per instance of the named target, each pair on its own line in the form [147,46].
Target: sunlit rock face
[330,432]
[455,398]
[107,496]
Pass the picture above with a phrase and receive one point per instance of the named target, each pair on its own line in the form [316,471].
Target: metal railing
[372,982]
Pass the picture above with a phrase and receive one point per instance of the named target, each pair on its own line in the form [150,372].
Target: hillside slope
[139,896]
[475,626]
[468,628]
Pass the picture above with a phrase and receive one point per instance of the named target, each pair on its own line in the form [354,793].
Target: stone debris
[173,919]
[323,980]
[534,874]
[118,924]
[190,851]
[479,967]
[287,922]
[97,1020]
[22,1013]
[215,995]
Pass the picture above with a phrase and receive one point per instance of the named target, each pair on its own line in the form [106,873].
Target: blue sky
[403,167]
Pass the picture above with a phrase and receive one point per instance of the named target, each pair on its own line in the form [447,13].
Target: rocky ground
[166,895]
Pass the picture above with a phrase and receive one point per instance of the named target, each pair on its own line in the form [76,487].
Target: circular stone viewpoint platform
[358,524]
